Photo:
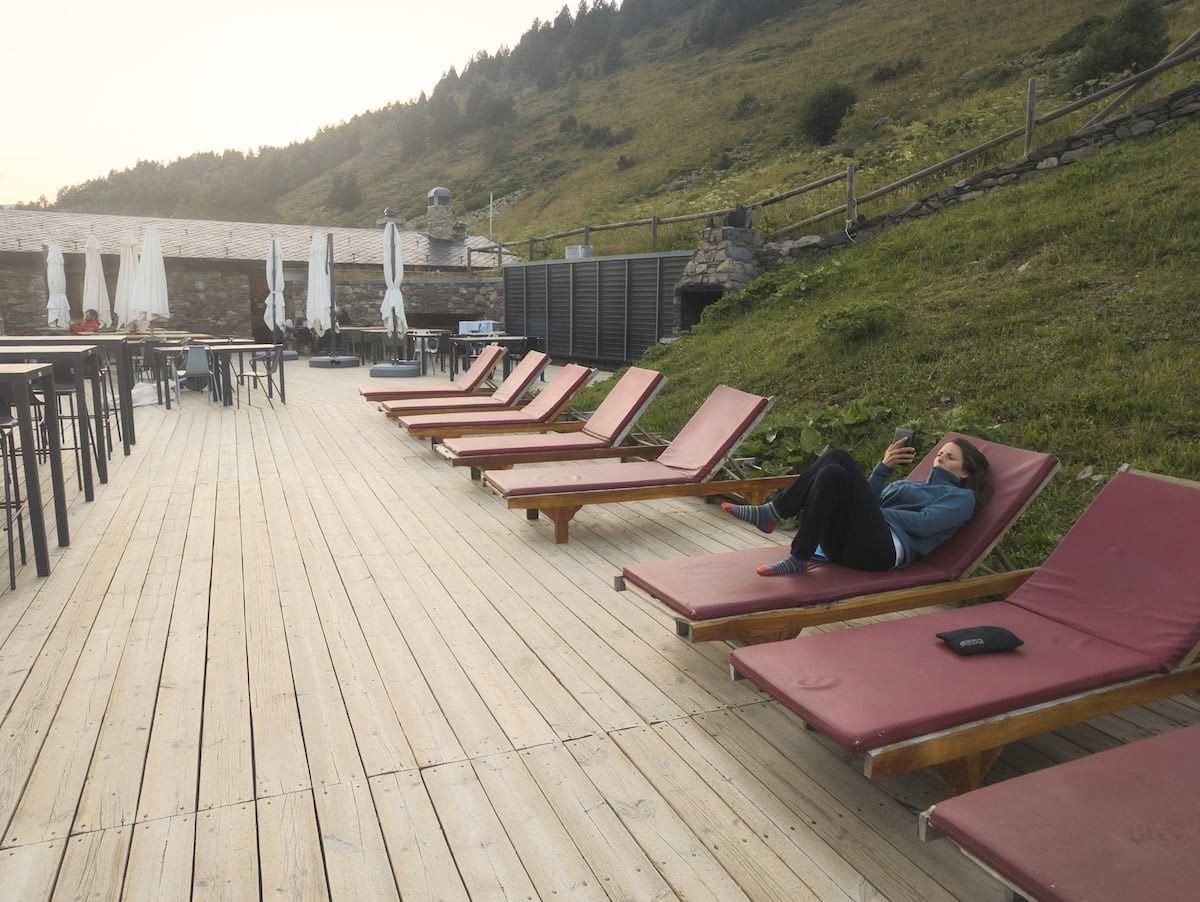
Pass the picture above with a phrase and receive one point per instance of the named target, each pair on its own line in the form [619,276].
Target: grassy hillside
[694,127]
[1059,315]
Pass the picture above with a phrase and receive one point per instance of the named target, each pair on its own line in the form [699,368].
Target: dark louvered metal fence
[605,310]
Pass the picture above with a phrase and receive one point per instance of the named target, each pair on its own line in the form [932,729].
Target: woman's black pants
[838,510]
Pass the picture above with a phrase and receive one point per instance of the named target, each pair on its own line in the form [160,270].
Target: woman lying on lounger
[865,524]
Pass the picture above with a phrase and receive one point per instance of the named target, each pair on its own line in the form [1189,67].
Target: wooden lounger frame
[560,507]
[786,623]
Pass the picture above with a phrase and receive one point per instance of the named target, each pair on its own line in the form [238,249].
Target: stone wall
[451,299]
[22,292]
[725,261]
[1181,107]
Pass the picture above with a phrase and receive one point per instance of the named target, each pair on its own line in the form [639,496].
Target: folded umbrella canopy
[149,301]
[125,279]
[95,291]
[392,308]
[317,311]
[58,310]
[274,315]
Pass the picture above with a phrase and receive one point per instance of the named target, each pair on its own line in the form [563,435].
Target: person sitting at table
[91,323]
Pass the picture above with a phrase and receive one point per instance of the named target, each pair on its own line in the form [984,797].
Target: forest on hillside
[342,165]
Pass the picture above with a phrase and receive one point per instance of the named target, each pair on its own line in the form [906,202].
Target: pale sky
[89,87]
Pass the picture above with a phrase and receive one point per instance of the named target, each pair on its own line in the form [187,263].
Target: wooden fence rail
[1126,87]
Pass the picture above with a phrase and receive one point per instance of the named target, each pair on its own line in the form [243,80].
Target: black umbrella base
[404,369]
[327,362]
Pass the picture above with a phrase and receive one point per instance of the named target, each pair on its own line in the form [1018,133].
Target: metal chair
[14,507]
[192,367]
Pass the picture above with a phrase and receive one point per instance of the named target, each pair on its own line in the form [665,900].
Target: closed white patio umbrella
[149,301]
[317,310]
[58,310]
[125,279]
[392,308]
[275,314]
[95,291]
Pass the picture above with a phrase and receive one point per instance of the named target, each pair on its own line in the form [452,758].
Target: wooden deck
[292,654]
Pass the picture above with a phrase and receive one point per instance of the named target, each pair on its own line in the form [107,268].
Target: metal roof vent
[439,197]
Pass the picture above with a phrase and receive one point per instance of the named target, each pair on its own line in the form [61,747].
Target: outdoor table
[20,378]
[224,352]
[117,348]
[459,343]
[84,361]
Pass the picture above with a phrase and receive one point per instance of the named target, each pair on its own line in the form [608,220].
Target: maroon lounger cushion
[543,480]
[443,405]
[874,685]
[702,443]
[506,395]
[1121,824]
[505,416]
[1128,571]
[704,587]
[608,425]
[482,445]
[708,586]
[541,409]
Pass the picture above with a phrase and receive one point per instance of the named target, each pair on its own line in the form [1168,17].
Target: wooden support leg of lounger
[561,516]
[966,773]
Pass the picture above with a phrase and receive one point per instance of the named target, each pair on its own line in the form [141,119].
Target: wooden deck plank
[289,848]
[28,872]
[160,860]
[113,784]
[421,860]
[489,865]
[280,763]
[225,868]
[352,841]
[550,857]
[681,857]
[50,799]
[743,855]
[226,743]
[93,867]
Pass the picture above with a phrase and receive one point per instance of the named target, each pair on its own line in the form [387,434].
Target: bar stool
[12,503]
[64,390]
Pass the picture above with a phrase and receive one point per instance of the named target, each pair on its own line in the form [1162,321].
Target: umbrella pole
[332,315]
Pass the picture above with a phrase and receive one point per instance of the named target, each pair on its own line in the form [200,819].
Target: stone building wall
[206,296]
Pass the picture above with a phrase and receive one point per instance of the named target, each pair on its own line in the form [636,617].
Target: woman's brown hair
[975,465]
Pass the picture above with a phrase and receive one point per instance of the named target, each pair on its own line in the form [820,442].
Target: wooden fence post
[851,204]
[654,233]
[1030,109]
[531,249]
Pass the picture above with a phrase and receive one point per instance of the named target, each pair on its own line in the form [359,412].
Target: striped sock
[789,564]
[761,515]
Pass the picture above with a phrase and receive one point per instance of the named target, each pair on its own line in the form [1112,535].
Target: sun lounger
[1120,824]
[720,596]
[508,394]
[540,413]
[600,436]
[471,382]
[684,469]
[1110,620]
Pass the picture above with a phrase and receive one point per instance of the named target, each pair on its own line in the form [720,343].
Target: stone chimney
[724,261]
[440,215]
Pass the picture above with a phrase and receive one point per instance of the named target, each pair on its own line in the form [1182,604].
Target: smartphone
[905,434]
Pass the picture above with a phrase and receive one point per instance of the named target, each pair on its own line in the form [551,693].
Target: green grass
[1060,315]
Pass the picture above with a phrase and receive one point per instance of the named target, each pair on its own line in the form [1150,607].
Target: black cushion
[980,640]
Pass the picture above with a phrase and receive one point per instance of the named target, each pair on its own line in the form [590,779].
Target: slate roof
[27,230]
